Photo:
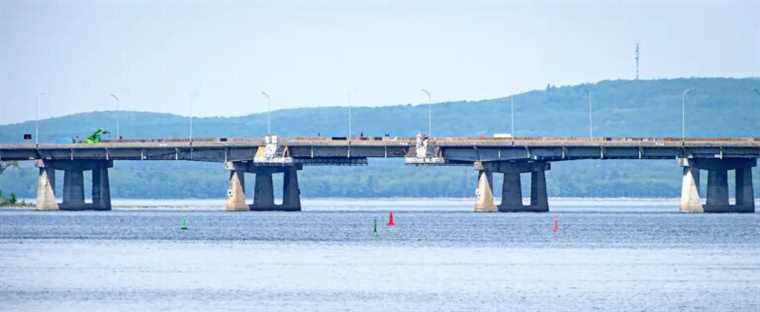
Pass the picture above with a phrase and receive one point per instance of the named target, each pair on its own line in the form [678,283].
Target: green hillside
[718,107]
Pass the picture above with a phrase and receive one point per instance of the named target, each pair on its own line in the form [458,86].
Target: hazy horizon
[154,55]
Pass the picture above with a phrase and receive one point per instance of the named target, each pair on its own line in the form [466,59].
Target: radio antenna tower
[636,57]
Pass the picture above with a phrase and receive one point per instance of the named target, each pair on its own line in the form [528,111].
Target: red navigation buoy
[555,228]
[391,221]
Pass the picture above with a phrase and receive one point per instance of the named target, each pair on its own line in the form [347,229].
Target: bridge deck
[453,149]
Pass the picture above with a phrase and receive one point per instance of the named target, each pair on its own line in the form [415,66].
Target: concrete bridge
[509,157]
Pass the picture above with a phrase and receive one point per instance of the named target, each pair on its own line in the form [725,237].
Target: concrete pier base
[263,196]
[46,188]
[101,189]
[539,200]
[291,198]
[73,189]
[73,185]
[263,190]
[690,200]
[745,194]
[717,191]
[484,192]
[236,192]
[717,200]
[511,194]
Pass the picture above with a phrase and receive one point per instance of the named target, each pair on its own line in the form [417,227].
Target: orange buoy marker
[555,227]
[391,221]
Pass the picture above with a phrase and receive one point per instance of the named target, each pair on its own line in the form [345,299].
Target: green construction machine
[95,137]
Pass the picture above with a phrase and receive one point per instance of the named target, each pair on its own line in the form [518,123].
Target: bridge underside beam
[717,185]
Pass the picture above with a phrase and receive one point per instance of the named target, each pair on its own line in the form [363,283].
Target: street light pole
[192,97]
[590,116]
[756,91]
[116,98]
[37,120]
[512,109]
[269,111]
[348,96]
[430,114]
[683,113]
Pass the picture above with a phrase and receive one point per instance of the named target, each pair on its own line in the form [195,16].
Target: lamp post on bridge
[430,114]
[118,102]
[193,96]
[191,120]
[756,91]
[683,113]
[590,118]
[269,111]
[37,120]
[512,117]
[348,98]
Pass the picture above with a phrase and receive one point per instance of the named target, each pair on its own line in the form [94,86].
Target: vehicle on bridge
[95,137]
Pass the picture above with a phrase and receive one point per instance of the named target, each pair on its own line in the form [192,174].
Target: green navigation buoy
[183,225]
[374,230]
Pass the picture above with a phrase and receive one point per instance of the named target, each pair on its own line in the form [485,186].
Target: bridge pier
[745,193]
[291,194]
[46,188]
[263,191]
[717,185]
[484,192]
[101,188]
[539,200]
[73,188]
[717,190]
[236,192]
[511,194]
[73,185]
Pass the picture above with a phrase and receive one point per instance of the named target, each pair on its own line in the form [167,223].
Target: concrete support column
[46,188]
[291,194]
[717,184]
[690,200]
[745,195]
[263,197]
[73,190]
[511,193]
[717,191]
[539,201]
[101,189]
[484,192]
[236,192]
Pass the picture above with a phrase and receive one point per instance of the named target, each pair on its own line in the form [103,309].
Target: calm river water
[607,255]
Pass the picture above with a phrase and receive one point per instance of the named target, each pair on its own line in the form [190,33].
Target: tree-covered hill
[717,107]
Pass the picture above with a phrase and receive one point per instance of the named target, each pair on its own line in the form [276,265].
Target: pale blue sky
[153,54]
